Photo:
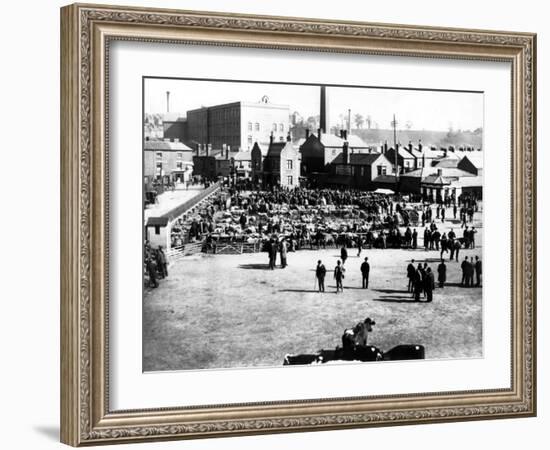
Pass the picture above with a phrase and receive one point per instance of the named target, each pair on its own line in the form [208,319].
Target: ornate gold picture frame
[86,32]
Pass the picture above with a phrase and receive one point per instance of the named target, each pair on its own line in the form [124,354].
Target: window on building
[179,165]
[179,155]
[362,171]
[159,155]
[274,127]
[159,166]
[289,180]
[249,139]
[289,164]
[334,152]
[281,138]
[257,126]
[249,126]
[281,127]
[419,162]
[381,170]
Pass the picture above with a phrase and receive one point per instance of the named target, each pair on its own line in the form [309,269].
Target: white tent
[384,191]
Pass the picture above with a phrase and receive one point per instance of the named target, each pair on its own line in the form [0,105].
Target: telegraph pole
[394,126]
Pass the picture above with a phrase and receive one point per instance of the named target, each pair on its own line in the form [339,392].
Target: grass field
[220,311]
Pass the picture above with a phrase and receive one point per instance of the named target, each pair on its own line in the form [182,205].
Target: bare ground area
[221,311]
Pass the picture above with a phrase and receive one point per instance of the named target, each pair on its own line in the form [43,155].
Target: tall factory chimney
[323,110]
[167,101]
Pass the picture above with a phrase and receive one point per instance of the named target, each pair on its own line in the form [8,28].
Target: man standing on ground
[320,272]
[442,273]
[478,271]
[464,267]
[339,276]
[365,270]
[411,271]
[161,262]
[429,284]
[414,238]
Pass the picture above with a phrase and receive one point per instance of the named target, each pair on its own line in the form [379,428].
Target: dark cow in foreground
[355,348]
[360,353]
[404,352]
[292,360]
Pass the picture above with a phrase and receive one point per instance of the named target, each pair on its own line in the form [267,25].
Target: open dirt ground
[221,311]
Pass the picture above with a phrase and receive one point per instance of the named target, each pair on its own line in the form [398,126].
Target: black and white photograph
[306,224]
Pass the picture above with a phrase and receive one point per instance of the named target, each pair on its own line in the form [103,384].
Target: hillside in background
[435,138]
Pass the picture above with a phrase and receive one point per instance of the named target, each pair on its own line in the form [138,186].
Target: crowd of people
[317,218]
[156,264]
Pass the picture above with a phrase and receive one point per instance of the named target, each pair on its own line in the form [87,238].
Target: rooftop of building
[357,159]
[165,145]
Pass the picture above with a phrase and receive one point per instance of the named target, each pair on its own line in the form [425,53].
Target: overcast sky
[416,109]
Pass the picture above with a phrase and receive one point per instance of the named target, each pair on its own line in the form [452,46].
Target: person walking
[478,271]
[365,270]
[339,276]
[429,284]
[456,247]
[442,273]
[411,272]
[359,246]
[414,239]
[320,272]
[344,254]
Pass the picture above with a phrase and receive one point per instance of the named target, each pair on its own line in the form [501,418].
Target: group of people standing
[339,273]
[274,246]
[156,264]
[469,267]
[422,281]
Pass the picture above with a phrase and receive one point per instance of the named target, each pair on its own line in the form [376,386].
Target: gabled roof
[357,159]
[332,140]
[435,179]
[476,158]
[445,163]
[275,149]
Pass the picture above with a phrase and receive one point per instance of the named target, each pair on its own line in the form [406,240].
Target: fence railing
[185,250]
[189,204]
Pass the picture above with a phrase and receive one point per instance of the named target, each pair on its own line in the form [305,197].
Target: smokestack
[349,122]
[167,101]
[385,146]
[307,133]
[345,151]
[323,109]
[420,144]
[271,138]
[410,146]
